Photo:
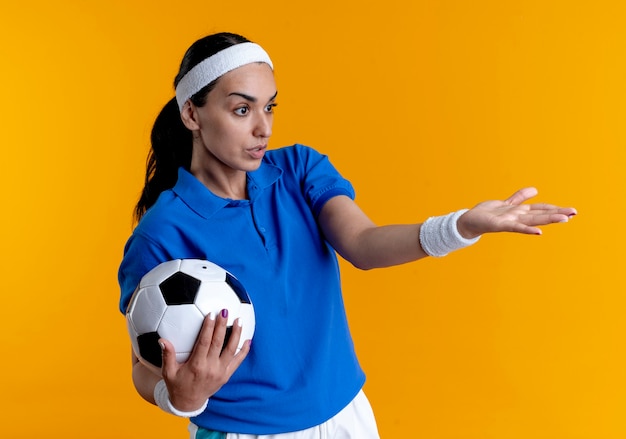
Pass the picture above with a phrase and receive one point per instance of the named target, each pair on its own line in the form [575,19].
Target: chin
[252,165]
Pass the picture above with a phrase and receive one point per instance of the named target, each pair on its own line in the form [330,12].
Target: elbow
[360,260]
[363,264]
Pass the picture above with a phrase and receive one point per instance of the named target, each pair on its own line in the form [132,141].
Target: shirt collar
[205,203]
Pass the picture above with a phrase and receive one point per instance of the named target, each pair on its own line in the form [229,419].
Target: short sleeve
[320,180]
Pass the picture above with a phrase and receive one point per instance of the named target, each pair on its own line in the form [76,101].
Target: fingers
[539,214]
[513,215]
[527,223]
[169,357]
[541,219]
[232,343]
[551,208]
[527,193]
[214,340]
[518,227]
[230,353]
[219,335]
[240,356]
[210,340]
[521,195]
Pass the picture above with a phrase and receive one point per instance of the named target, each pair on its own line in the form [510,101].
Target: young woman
[275,219]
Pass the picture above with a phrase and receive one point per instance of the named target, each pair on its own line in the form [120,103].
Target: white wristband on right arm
[439,235]
[162,399]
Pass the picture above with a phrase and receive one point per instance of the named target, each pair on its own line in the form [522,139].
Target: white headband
[215,66]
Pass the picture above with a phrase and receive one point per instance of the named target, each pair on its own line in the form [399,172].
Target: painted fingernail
[212,315]
[224,313]
[239,323]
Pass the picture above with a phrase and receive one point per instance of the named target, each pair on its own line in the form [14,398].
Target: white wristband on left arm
[439,235]
[162,399]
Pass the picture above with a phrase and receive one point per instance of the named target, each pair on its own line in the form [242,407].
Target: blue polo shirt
[302,368]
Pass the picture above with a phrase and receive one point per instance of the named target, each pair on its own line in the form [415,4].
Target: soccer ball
[171,302]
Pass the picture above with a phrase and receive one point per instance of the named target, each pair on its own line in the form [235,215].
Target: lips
[257,152]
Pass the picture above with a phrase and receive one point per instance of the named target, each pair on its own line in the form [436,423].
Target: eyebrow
[250,98]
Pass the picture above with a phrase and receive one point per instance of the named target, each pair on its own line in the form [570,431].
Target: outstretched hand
[209,367]
[511,215]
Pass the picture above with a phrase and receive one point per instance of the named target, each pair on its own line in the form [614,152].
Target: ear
[189,116]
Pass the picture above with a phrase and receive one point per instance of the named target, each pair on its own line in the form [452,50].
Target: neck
[226,184]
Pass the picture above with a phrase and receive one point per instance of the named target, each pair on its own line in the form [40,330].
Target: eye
[242,111]
[270,107]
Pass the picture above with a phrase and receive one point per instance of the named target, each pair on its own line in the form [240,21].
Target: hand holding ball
[172,301]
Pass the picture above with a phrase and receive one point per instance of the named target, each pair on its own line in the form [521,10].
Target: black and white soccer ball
[171,302]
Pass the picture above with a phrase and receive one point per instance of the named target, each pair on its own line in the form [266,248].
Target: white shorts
[355,421]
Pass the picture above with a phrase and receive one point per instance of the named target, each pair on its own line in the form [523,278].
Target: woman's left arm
[366,245]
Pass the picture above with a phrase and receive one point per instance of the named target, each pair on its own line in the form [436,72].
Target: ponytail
[171,149]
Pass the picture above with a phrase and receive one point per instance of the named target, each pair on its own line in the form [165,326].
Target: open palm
[511,215]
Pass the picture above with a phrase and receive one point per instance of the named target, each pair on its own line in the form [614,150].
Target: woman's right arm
[206,370]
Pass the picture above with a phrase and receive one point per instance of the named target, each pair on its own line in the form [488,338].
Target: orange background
[427,106]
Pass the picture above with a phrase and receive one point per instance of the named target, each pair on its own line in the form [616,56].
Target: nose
[263,125]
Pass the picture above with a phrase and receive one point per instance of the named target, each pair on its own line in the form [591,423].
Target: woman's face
[231,131]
